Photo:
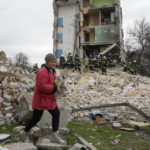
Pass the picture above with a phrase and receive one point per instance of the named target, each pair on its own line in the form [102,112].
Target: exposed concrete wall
[67,12]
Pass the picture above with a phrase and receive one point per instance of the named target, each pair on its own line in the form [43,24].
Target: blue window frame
[60,22]
[59,52]
[59,36]
[79,2]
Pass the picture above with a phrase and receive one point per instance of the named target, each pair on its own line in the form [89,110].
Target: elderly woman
[44,99]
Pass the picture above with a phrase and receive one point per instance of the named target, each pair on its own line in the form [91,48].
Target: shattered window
[107,16]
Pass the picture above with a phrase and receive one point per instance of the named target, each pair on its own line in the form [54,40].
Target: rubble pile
[116,87]
[14,82]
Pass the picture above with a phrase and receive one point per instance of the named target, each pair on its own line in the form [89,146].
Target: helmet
[90,56]
[96,56]
[110,54]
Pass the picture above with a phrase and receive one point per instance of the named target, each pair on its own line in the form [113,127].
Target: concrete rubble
[77,146]
[47,142]
[85,143]
[4,138]
[19,146]
[117,87]
[83,90]
[14,83]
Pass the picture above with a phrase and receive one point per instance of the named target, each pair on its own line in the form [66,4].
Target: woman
[44,98]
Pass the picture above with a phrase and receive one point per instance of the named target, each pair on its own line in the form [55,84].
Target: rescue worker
[104,65]
[62,62]
[129,64]
[119,60]
[134,67]
[91,64]
[86,63]
[110,60]
[35,68]
[70,60]
[96,63]
[77,63]
[100,60]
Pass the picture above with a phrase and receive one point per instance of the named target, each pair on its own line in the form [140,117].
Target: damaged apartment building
[87,27]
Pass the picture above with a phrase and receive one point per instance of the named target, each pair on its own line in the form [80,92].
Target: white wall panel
[67,12]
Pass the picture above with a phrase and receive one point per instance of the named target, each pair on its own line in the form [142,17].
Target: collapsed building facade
[87,27]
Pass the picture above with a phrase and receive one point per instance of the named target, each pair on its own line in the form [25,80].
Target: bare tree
[140,36]
[21,60]
[139,42]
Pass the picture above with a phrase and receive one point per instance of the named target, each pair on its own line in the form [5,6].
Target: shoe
[25,136]
[58,138]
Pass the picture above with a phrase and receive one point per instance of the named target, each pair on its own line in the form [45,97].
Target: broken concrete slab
[2,148]
[18,129]
[4,138]
[84,142]
[47,143]
[8,109]
[20,146]
[7,97]
[2,122]
[78,146]
[116,125]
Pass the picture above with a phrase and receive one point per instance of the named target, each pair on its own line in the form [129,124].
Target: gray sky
[27,25]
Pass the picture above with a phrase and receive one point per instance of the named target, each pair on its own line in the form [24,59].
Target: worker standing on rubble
[77,63]
[35,68]
[104,65]
[70,60]
[62,62]
[100,61]
[119,60]
[110,60]
[44,98]
[134,67]
[86,63]
[96,63]
[91,64]
[129,64]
